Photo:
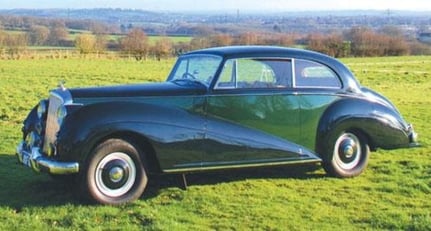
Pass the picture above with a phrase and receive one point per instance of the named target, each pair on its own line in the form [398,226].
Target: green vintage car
[220,108]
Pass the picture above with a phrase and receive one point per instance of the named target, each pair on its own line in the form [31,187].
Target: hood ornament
[61,85]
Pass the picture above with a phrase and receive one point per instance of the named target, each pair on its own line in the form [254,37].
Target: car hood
[139,90]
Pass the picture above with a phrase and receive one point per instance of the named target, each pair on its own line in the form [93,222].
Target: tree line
[356,42]
[92,37]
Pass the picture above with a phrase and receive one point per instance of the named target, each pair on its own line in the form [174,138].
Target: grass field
[392,194]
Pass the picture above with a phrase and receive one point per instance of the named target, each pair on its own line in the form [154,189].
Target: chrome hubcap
[347,151]
[115,174]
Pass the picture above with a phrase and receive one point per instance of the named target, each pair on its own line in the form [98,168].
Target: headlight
[42,108]
[32,140]
[61,114]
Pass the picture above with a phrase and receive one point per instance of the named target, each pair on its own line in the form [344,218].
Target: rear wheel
[347,154]
[115,173]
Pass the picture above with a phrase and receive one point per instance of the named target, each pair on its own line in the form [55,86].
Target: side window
[310,74]
[227,78]
[255,74]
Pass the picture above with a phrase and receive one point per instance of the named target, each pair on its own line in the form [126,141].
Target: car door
[317,87]
[253,115]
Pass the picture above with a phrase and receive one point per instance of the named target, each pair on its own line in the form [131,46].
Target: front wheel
[346,155]
[115,173]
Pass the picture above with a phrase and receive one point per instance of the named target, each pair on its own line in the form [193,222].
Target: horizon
[225,5]
[339,12]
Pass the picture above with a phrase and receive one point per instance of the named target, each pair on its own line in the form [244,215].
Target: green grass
[392,194]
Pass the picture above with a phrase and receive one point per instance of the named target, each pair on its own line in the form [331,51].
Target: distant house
[425,37]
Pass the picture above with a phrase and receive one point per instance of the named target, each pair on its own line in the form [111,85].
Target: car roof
[259,51]
[228,52]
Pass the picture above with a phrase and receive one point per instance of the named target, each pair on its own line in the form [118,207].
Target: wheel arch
[146,124]
[352,125]
[350,114]
[380,122]
[142,143]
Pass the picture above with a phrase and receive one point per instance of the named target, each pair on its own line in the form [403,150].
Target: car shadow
[21,187]
[159,182]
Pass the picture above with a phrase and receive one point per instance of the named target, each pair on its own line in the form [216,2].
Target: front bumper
[39,163]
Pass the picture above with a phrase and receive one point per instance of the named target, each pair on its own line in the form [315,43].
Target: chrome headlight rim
[61,114]
[42,109]
[32,140]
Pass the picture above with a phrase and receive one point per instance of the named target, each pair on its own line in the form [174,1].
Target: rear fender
[382,125]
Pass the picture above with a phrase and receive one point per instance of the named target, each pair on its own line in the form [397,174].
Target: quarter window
[310,74]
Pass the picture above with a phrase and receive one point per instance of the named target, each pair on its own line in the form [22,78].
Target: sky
[224,5]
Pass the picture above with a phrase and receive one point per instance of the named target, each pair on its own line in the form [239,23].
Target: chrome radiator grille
[52,126]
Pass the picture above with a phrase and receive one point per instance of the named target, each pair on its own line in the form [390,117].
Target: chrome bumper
[413,137]
[35,160]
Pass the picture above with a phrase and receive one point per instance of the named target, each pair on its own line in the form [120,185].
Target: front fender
[32,122]
[160,125]
[382,125]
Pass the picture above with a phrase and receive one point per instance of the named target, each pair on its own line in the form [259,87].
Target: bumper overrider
[413,136]
[33,158]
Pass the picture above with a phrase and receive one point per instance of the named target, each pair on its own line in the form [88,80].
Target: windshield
[196,68]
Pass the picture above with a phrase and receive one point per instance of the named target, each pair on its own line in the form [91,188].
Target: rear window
[310,74]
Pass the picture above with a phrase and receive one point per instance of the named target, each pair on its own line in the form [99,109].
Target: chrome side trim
[38,162]
[239,166]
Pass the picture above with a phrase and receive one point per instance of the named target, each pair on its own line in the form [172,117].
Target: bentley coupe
[220,108]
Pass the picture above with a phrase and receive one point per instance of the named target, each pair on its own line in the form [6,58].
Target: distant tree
[163,48]
[418,48]
[287,39]
[332,44]
[85,43]
[136,44]
[397,46]
[38,35]
[15,44]
[396,42]
[203,30]
[90,43]
[3,37]
[279,39]
[248,38]
[98,28]
[199,43]
[101,43]
[15,21]
[365,42]
[181,48]
[58,33]
[276,28]
[316,43]
[220,40]
[123,28]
